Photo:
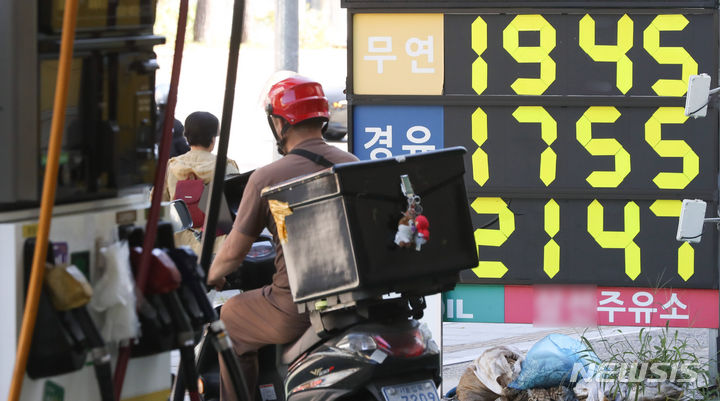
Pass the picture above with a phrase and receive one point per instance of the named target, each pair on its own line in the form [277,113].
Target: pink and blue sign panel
[582,306]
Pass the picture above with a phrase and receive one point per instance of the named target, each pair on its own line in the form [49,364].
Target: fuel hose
[102,362]
[48,199]
[187,369]
[185,341]
[154,213]
[193,280]
[216,186]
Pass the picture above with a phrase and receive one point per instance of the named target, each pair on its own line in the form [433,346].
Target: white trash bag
[489,375]
[114,295]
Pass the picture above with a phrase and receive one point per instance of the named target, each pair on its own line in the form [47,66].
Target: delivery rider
[297,112]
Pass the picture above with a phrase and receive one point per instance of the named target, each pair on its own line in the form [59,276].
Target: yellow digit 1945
[611,53]
[478,35]
[669,55]
[531,54]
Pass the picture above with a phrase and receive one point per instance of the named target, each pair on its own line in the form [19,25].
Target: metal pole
[712,357]
[713,337]
[287,39]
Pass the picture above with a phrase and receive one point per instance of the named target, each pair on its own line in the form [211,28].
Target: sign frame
[455,4]
[699,7]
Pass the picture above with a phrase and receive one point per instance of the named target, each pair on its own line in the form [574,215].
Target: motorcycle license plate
[418,391]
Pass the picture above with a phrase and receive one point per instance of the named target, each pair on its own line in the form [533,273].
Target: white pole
[286,35]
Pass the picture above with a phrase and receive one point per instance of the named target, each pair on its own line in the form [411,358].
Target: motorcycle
[370,350]
[355,349]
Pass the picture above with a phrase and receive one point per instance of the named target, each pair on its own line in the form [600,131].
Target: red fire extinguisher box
[339,228]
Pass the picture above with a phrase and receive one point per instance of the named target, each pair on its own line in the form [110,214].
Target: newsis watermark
[637,372]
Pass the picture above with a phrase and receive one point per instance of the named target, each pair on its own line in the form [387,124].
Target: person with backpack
[189,174]
[297,111]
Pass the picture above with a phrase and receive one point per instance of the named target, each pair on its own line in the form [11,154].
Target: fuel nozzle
[193,278]
[164,280]
[70,292]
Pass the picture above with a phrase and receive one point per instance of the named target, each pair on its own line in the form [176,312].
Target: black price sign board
[583,53]
[579,152]
[609,241]
[585,151]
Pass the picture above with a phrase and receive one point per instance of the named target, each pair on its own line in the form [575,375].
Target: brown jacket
[202,164]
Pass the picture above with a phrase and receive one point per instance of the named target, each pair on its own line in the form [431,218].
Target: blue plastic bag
[551,361]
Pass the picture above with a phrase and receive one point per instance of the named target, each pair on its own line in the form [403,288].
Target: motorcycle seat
[291,351]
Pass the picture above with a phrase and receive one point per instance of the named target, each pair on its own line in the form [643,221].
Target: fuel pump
[57,341]
[70,292]
[77,115]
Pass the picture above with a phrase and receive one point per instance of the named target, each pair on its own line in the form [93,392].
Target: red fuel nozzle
[163,275]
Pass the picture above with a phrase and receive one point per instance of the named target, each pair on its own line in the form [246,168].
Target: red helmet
[297,99]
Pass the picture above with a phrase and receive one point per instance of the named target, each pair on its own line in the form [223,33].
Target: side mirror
[180,217]
[692,219]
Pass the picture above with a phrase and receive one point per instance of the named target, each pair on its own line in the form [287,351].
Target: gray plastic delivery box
[341,225]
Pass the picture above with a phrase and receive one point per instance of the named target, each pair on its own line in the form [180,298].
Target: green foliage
[665,351]
[313,28]
[166,16]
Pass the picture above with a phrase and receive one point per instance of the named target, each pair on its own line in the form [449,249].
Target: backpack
[192,192]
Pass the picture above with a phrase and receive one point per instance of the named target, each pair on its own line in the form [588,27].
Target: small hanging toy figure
[413,227]
[422,235]
[406,231]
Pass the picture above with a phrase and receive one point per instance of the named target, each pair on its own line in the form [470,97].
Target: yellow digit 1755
[603,146]
[671,148]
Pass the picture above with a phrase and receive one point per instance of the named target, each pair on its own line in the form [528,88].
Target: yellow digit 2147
[606,239]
